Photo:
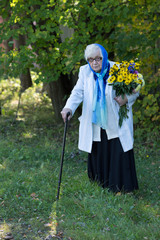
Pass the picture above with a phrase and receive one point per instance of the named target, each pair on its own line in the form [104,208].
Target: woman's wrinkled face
[96,62]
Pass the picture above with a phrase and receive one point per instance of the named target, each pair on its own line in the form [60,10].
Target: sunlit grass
[2,166]
[4,229]
[28,135]
[31,147]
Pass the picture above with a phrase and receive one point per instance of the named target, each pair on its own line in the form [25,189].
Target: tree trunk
[56,92]
[25,77]
[6,45]
[26,80]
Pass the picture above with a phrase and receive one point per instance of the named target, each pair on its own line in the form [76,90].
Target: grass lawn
[30,152]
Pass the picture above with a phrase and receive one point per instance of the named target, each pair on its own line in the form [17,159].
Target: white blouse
[112,129]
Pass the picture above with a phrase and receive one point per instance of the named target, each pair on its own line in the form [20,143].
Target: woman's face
[96,62]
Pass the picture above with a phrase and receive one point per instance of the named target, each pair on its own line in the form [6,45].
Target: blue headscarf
[99,115]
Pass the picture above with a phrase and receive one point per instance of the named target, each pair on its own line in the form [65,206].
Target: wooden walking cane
[62,156]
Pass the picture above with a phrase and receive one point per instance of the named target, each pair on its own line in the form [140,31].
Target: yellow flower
[136,67]
[134,76]
[137,64]
[111,72]
[115,67]
[129,78]
[131,61]
[125,74]
[127,64]
[126,69]
[111,79]
[119,78]
[121,70]
[139,81]
[136,80]
[127,82]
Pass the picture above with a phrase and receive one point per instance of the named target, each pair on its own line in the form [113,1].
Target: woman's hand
[64,113]
[121,100]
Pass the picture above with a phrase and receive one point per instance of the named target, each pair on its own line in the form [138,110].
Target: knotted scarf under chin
[99,116]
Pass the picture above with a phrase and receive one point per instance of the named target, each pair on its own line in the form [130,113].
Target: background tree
[127,29]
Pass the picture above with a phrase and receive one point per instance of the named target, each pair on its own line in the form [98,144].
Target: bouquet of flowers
[125,79]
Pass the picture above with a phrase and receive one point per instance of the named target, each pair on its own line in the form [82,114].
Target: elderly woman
[110,147]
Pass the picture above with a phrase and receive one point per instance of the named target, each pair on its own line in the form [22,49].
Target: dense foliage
[57,31]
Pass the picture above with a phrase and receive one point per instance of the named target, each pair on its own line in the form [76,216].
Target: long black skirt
[111,167]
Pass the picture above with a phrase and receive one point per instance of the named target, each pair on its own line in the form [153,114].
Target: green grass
[30,150]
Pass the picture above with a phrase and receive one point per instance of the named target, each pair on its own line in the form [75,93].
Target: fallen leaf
[118,194]
[33,195]
[2,203]
[59,234]
[48,224]
[18,195]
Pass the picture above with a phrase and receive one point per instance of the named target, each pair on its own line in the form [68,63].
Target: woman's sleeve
[131,99]
[77,93]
